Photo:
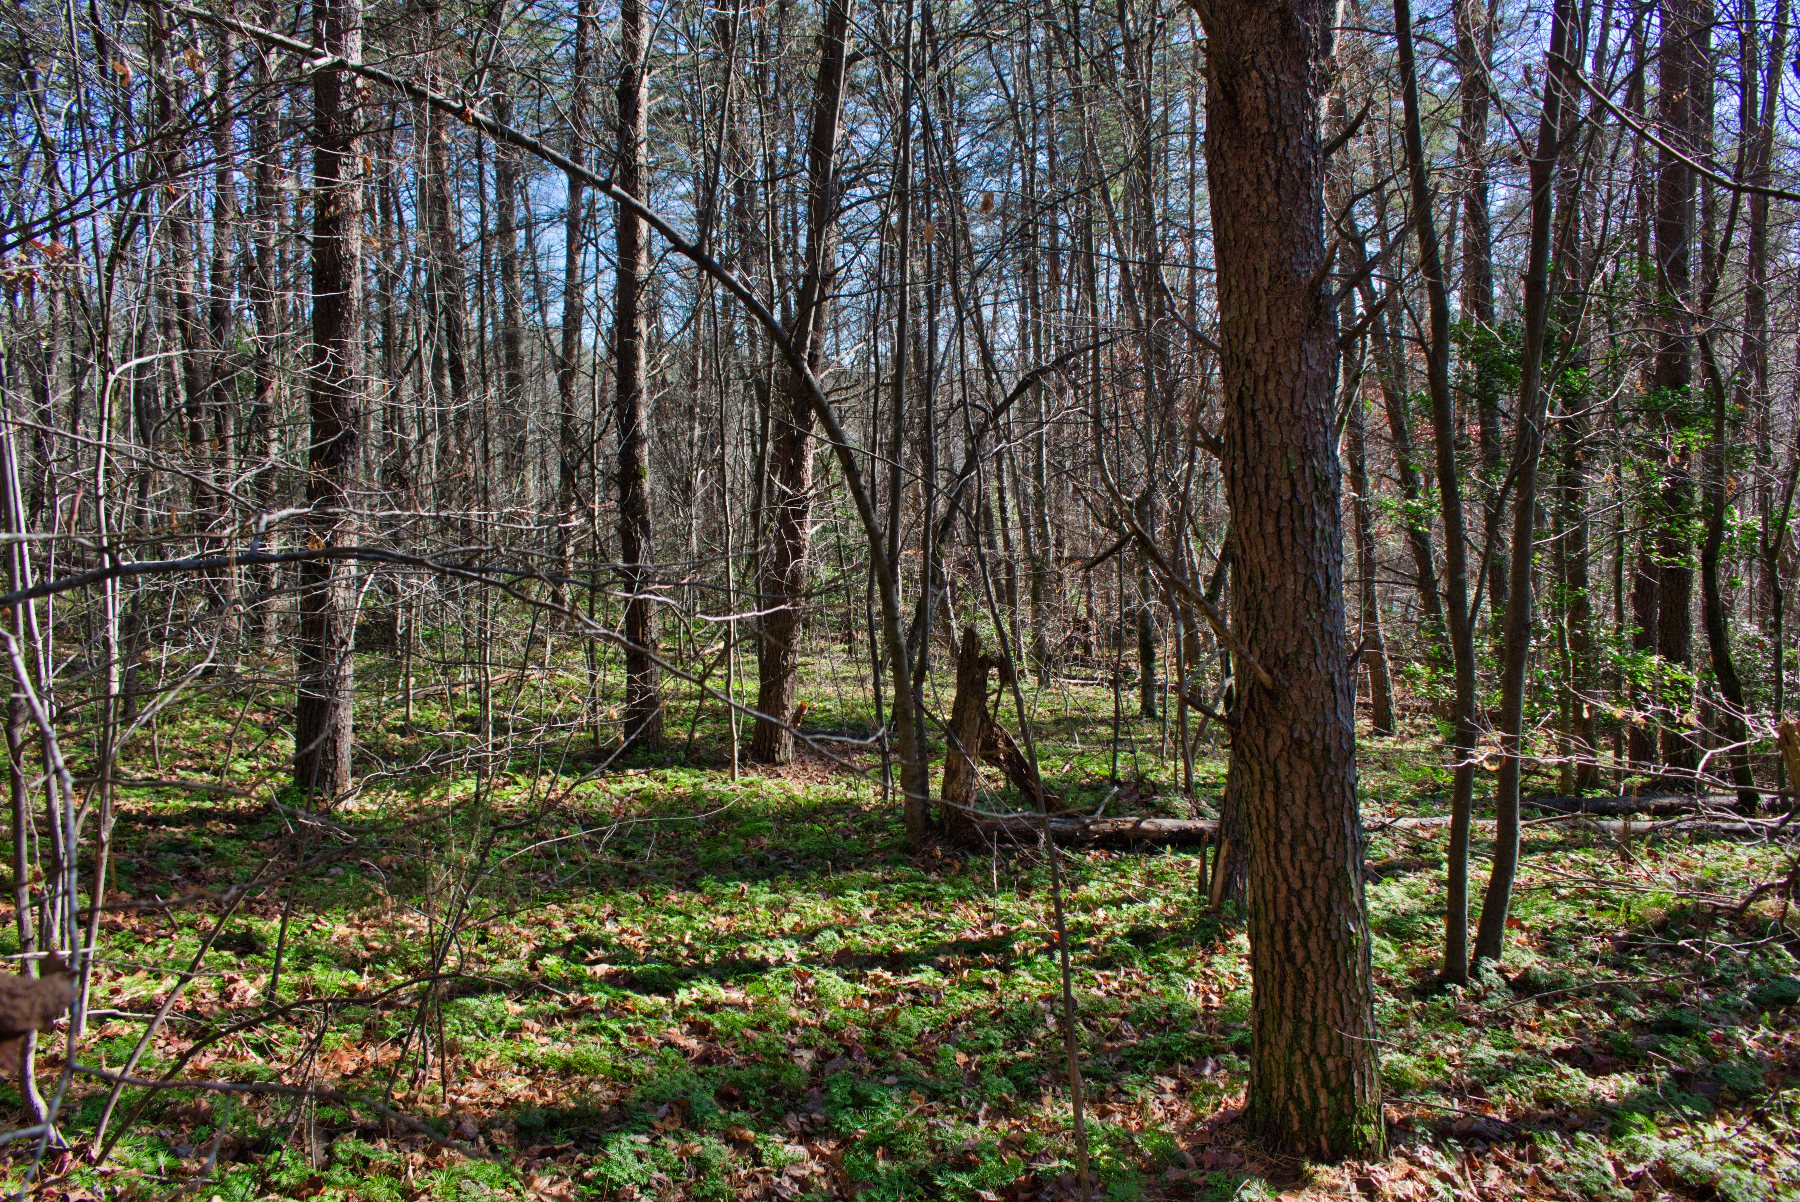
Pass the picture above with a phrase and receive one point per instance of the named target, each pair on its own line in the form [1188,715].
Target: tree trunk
[323,721]
[573,451]
[1474,61]
[1554,136]
[1677,114]
[1371,646]
[643,686]
[1641,738]
[784,568]
[968,717]
[1456,567]
[1148,640]
[1314,1086]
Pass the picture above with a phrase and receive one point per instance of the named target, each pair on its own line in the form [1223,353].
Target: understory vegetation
[525,978]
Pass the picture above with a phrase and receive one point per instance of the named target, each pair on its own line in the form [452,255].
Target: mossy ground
[652,981]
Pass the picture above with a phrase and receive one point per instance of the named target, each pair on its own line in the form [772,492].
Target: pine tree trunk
[323,721]
[643,687]
[1314,1087]
[1677,114]
[573,449]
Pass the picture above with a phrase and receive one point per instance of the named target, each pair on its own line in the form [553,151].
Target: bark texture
[784,569]
[1314,1087]
[643,685]
[323,722]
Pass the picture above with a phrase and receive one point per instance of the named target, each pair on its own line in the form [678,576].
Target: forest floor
[653,981]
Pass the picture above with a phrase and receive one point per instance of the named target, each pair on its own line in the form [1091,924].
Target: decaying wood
[29,1004]
[1789,736]
[1661,804]
[972,725]
[968,715]
[1000,751]
[1072,830]
[1076,830]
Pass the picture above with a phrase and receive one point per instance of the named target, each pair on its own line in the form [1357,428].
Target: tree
[323,712]
[1314,1083]
[1672,377]
[643,691]
[783,579]
[573,447]
[1457,611]
[1554,134]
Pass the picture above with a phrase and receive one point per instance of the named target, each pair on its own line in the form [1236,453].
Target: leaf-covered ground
[521,977]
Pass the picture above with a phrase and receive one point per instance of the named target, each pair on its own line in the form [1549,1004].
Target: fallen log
[1660,804]
[1072,830]
[1707,824]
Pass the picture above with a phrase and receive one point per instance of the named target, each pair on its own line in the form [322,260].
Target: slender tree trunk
[1474,60]
[784,569]
[968,720]
[267,210]
[1148,640]
[1753,381]
[1456,566]
[512,288]
[323,711]
[1571,603]
[1391,375]
[1554,135]
[643,688]
[1756,124]
[1372,646]
[221,314]
[573,451]
[1339,187]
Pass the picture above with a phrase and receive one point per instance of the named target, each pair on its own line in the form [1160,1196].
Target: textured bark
[1677,114]
[643,687]
[573,450]
[1314,1087]
[968,713]
[1148,637]
[784,569]
[323,722]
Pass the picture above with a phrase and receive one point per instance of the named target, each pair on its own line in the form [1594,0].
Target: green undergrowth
[548,971]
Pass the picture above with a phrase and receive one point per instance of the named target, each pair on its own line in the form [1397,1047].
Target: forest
[914,599]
